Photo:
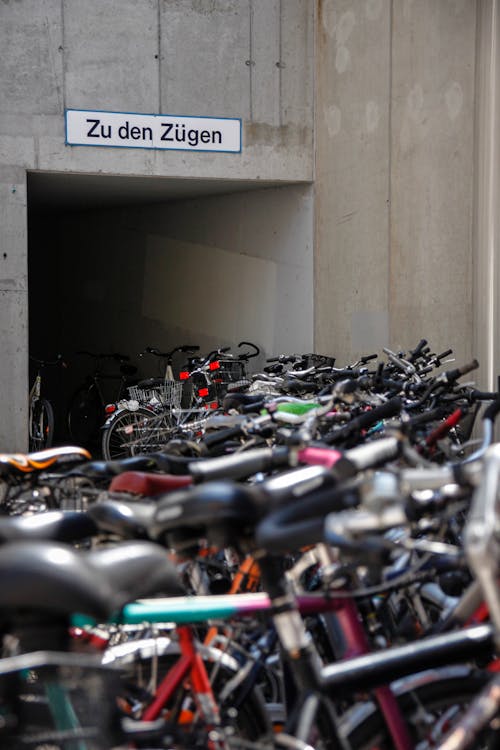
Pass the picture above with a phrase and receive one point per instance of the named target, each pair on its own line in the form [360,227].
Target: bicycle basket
[229,371]
[58,700]
[168,394]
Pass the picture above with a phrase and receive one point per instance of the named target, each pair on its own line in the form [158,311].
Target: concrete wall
[211,271]
[252,60]
[394,179]
[396,150]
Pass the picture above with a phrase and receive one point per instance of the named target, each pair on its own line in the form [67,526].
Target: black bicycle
[86,410]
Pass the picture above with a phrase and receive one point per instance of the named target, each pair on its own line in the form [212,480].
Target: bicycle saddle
[15,464]
[50,577]
[128,520]
[136,570]
[223,512]
[56,526]
[148,484]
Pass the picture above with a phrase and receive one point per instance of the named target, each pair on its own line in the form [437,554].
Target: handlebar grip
[170,464]
[390,409]
[492,410]
[459,371]
[427,416]
[239,465]
[418,349]
[366,456]
[484,395]
[210,441]
[296,385]
[252,408]
[319,456]
[300,523]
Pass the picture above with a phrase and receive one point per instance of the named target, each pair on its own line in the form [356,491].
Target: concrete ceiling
[62,191]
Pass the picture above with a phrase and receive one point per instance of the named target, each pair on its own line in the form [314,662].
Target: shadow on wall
[94,287]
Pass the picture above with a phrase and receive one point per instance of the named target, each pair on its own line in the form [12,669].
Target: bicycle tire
[84,415]
[41,425]
[429,707]
[126,434]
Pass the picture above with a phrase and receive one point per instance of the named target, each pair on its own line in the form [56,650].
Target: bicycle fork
[191,667]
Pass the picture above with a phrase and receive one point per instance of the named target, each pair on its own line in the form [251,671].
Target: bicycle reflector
[214,365]
[110,408]
[203,392]
[184,375]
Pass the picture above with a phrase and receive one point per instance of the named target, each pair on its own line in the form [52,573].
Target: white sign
[171,132]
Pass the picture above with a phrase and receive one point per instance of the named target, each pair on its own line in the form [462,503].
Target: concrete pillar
[352,177]
[431,174]
[394,166]
[486,237]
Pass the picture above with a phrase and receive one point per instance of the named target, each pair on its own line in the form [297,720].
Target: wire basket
[228,376]
[230,371]
[59,701]
[168,394]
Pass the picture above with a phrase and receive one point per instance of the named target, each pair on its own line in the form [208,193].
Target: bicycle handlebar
[184,348]
[418,350]
[248,355]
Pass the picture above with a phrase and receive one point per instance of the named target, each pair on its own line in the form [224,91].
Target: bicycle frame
[360,667]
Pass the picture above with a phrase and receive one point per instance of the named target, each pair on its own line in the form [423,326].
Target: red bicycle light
[214,365]
[110,408]
[203,392]
[184,375]
[214,405]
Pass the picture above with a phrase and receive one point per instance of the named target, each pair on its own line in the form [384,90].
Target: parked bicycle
[364,579]
[158,408]
[41,411]
[86,410]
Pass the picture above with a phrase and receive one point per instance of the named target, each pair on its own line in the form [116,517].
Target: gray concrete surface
[394,179]
[486,225]
[380,102]
[226,58]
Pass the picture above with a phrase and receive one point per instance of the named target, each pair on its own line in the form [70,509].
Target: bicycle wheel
[132,432]
[430,710]
[41,425]
[85,415]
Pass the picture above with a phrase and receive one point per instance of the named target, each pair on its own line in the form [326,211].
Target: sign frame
[164,136]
